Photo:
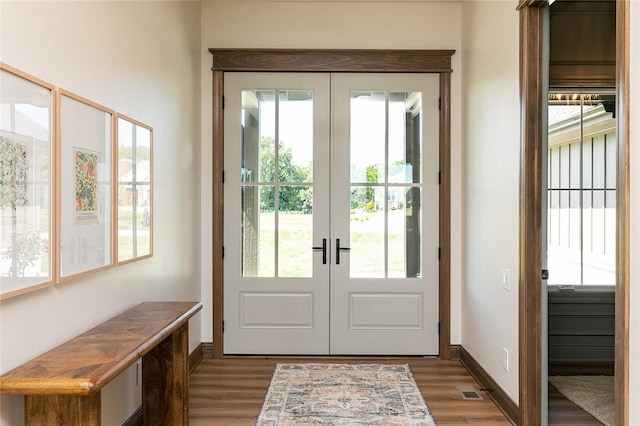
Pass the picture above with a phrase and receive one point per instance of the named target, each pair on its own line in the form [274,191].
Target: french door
[331,214]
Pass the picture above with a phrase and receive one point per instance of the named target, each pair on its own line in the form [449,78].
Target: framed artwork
[26,182]
[134,234]
[85,170]
[85,193]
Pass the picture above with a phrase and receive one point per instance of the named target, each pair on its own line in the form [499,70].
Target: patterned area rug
[344,394]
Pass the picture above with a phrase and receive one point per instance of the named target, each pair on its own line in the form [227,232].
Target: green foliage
[291,198]
[363,197]
[372,174]
[305,195]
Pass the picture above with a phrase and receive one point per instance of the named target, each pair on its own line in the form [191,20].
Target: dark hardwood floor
[564,412]
[561,410]
[231,391]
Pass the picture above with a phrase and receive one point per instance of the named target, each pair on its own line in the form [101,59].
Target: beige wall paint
[634,257]
[491,164]
[141,59]
[335,25]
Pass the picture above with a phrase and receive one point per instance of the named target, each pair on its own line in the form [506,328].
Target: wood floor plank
[231,391]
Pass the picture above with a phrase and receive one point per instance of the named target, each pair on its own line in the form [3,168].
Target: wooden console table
[63,386]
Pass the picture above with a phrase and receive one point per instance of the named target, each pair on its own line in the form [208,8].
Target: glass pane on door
[277,183]
[404,225]
[386,181]
[295,231]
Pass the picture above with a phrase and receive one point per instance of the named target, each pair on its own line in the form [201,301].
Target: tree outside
[291,198]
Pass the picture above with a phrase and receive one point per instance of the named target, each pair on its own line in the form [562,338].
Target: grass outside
[367,245]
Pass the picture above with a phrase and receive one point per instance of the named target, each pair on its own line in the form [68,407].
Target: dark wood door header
[291,60]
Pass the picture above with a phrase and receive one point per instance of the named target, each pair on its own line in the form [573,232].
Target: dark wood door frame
[532,103]
[362,61]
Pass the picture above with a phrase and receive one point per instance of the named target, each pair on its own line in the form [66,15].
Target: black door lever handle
[324,250]
[338,248]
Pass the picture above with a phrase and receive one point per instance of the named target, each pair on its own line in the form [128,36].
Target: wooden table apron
[63,386]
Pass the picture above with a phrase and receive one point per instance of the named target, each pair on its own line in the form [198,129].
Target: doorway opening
[415,61]
[581,256]
[534,103]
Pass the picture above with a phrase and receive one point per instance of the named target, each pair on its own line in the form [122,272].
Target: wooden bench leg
[165,381]
[68,410]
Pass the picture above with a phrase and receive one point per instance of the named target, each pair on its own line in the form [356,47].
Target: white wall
[339,25]
[491,135]
[141,59]
[634,258]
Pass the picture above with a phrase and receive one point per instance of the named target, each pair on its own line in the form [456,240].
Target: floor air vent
[469,393]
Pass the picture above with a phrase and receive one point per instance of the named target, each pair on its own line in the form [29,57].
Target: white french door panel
[276,288]
[384,291]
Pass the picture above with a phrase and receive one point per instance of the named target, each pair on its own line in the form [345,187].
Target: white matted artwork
[86,185]
[26,183]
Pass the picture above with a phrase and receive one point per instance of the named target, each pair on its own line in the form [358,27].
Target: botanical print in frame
[26,183]
[86,165]
[13,173]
